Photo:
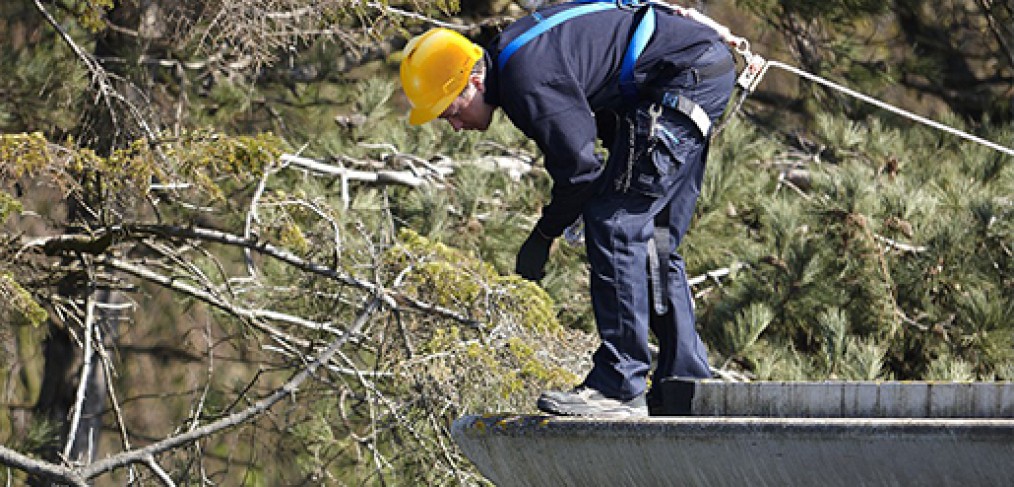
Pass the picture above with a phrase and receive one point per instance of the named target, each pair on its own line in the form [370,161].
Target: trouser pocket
[658,144]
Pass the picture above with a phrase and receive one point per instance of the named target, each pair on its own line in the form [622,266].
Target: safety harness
[642,34]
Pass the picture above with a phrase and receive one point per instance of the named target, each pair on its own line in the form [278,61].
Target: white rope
[891,108]
[757,66]
[740,44]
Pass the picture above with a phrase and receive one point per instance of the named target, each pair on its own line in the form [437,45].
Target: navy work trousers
[666,169]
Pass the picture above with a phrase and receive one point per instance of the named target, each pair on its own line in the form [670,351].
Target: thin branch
[149,460]
[320,212]
[382,6]
[254,317]
[86,369]
[111,391]
[102,80]
[40,468]
[252,217]
[406,178]
[715,274]
[391,300]
[899,245]
[986,6]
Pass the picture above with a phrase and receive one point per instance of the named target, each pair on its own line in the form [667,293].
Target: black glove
[532,256]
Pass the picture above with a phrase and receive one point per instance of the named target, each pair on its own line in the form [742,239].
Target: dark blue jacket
[552,85]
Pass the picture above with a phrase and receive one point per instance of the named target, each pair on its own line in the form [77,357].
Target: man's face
[469,110]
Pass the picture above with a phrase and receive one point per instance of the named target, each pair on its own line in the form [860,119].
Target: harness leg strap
[658,262]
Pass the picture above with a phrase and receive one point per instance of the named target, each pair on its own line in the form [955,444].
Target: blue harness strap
[628,86]
[546,24]
[643,33]
[638,41]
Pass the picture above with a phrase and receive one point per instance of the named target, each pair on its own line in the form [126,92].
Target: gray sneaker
[585,401]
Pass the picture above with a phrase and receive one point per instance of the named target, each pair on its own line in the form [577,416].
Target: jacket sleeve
[557,117]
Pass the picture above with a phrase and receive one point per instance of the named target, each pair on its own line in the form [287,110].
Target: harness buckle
[691,110]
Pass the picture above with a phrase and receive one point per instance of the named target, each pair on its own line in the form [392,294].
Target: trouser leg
[619,225]
[617,230]
[681,352]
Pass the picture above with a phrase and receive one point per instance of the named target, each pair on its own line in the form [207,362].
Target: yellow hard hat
[435,70]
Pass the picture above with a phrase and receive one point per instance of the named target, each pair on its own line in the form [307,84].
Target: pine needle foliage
[42,87]
[896,255]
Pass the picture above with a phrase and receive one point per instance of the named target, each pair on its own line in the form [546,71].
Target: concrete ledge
[764,434]
[736,451]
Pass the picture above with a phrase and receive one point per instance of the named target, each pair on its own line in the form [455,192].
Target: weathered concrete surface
[846,399]
[969,443]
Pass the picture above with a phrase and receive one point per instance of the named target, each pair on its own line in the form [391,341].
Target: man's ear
[478,81]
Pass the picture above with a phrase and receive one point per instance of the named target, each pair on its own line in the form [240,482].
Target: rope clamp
[753,72]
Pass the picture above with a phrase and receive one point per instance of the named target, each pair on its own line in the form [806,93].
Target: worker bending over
[647,82]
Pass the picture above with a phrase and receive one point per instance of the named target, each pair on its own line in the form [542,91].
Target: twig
[382,6]
[86,369]
[254,317]
[405,178]
[1001,37]
[335,228]
[730,375]
[885,270]
[251,218]
[100,77]
[111,391]
[149,460]
[211,371]
[900,246]
[715,274]
[784,179]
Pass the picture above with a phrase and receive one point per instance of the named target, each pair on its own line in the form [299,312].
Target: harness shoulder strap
[642,34]
[546,24]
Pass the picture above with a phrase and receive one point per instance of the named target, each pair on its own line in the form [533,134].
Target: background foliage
[146,204]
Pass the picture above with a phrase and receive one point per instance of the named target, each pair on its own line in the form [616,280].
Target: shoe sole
[588,411]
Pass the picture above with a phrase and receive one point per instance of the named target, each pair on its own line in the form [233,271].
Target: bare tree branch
[75,242]
[391,299]
[86,370]
[406,178]
[166,480]
[41,468]
[254,317]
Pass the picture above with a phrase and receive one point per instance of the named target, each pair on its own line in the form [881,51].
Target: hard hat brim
[421,115]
